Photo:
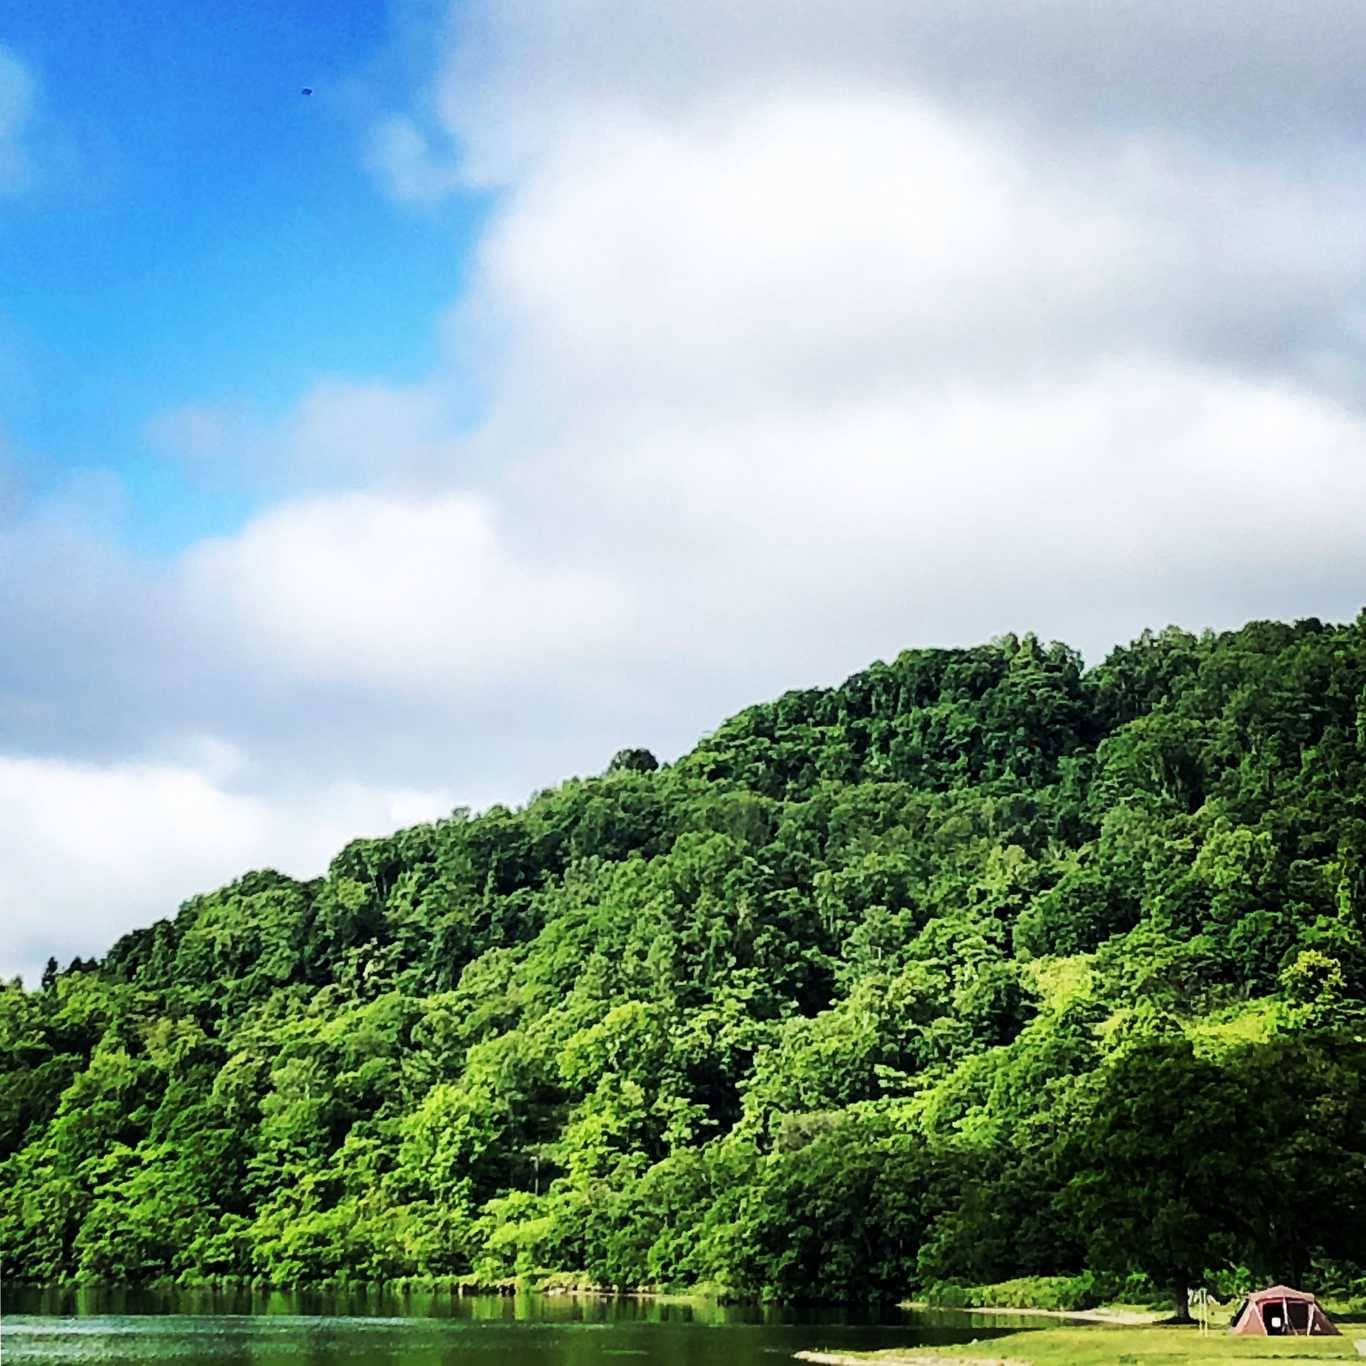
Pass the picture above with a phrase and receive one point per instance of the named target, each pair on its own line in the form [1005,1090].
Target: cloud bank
[802,336]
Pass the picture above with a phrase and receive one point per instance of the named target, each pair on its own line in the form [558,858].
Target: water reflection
[267,1328]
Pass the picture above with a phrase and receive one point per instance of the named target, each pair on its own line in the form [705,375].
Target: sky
[560,377]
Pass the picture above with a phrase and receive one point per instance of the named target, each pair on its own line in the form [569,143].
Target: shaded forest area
[979,965]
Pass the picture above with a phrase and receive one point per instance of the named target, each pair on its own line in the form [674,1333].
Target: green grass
[1158,1345]
[1083,1291]
[1150,1345]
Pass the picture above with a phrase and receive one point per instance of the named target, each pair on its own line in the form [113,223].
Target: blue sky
[206,234]
[561,377]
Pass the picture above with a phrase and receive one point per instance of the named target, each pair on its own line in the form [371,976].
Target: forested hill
[978,965]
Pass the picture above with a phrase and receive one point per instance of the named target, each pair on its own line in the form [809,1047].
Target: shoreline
[1127,1318]
[908,1359]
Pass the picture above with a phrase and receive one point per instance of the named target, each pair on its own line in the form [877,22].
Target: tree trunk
[1181,1293]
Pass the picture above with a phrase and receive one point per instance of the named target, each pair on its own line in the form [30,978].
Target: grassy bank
[1149,1345]
[1085,1291]
[1129,1315]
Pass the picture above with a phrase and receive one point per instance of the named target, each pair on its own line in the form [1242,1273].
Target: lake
[432,1330]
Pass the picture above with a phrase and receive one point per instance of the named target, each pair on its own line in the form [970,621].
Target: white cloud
[18,104]
[1269,76]
[817,241]
[90,850]
[201,435]
[400,155]
[805,334]
[337,434]
[418,596]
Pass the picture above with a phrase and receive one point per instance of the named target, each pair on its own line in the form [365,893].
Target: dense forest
[981,965]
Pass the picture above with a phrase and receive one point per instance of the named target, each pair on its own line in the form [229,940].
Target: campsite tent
[1280,1310]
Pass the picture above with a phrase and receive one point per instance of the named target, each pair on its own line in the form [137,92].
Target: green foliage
[1083,1291]
[980,974]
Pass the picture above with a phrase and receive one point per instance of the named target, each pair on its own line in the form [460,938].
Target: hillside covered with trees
[979,965]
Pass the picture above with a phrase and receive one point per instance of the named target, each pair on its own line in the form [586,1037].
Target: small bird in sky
[307,90]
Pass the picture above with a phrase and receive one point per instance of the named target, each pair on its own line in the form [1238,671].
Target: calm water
[434,1330]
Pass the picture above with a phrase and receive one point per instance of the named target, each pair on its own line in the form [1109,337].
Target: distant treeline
[981,965]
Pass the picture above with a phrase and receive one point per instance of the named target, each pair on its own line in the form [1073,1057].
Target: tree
[1306,1141]
[882,985]
[633,761]
[1153,1169]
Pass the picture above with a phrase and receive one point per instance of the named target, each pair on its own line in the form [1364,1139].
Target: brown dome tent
[1281,1310]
